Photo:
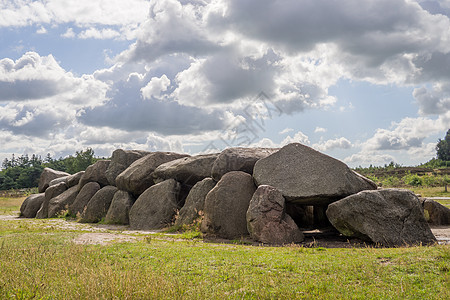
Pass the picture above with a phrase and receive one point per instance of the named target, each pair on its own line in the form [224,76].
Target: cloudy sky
[366,81]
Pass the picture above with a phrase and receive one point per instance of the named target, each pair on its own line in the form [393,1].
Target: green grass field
[10,205]
[39,260]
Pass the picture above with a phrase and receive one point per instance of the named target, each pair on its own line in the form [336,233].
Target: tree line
[24,171]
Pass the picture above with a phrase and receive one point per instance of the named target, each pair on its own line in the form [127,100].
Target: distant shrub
[412,180]
[430,180]
[391,181]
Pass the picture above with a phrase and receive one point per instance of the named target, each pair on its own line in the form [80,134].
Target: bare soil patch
[101,234]
[102,238]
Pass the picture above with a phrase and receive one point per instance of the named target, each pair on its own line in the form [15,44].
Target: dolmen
[264,194]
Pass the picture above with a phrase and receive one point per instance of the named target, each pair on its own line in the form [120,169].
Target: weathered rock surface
[58,180]
[306,176]
[138,176]
[95,173]
[267,220]
[226,205]
[51,192]
[99,204]
[195,202]
[156,207]
[74,179]
[120,208]
[31,205]
[83,198]
[390,217]
[61,202]
[436,213]
[187,170]
[48,175]
[120,160]
[238,159]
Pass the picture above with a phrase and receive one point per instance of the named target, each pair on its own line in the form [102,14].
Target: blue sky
[367,82]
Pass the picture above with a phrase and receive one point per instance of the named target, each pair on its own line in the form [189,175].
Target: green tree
[80,161]
[443,148]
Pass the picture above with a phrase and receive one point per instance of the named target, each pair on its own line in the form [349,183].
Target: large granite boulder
[70,180]
[48,175]
[61,202]
[238,159]
[195,202]
[187,170]
[226,206]
[156,207]
[31,205]
[138,176]
[267,221]
[98,206]
[306,176]
[120,160]
[390,217]
[83,198]
[95,173]
[58,180]
[51,192]
[120,208]
[436,213]
[74,179]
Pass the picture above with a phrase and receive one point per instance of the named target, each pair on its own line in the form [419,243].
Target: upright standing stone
[195,202]
[156,207]
[50,193]
[84,196]
[61,202]
[31,205]
[267,220]
[120,208]
[226,205]
[99,204]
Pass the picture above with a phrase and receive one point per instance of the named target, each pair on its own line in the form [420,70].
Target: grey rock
[436,213]
[51,192]
[74,179]
[238,159]
[84,196]
[195,202]
[55,190]
[390,217]
[120,160]
[31,205]
[226,206]
[58,180]
[95,173]
[267,220]
[48,175]
[138,176]
[187,170]
[98,206]
[61,202]
[120,208]
[156,207]
[306,176]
